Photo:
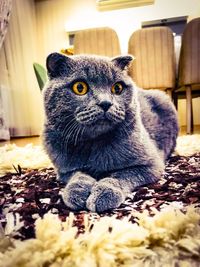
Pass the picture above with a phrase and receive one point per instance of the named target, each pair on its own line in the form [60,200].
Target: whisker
[67,132]
[81,135]
[71,122]
[77,134]
[70,133]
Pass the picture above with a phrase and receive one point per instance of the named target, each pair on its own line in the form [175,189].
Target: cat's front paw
[77,191]
[64,176]
[105,195]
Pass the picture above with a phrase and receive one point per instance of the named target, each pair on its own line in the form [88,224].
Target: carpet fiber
[158,225]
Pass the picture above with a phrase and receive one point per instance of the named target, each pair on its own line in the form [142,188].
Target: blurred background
[34,29]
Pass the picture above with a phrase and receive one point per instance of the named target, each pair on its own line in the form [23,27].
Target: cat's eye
[80,88]
[117,88]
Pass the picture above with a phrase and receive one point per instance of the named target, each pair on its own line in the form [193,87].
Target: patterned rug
[158,225]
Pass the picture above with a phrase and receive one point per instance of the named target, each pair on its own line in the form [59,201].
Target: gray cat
[104,135]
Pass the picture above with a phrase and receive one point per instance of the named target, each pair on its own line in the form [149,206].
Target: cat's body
[104,135]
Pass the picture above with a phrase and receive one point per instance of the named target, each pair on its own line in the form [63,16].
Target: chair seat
[195,88]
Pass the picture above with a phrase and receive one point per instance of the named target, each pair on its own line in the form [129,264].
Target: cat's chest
[101,157]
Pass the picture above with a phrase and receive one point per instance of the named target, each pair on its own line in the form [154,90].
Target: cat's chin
[99,128]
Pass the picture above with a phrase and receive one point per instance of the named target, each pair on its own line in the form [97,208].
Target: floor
[36,140]
[22,141]
[183,130]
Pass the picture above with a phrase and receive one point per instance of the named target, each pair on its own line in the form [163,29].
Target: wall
[128,20]
[51,19]
[56,18]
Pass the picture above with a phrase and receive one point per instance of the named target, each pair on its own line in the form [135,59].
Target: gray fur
[104,145]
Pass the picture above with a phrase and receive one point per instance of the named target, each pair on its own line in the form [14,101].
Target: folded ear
[58,64]
[122,62]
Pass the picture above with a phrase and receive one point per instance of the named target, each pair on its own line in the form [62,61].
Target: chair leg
[175,99]
[189,113]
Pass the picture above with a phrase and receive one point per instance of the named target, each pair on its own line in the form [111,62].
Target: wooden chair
[99,41]
[189,69]
[154,64]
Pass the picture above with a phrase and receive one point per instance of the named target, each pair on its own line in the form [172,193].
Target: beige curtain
[23,102]
[5,10]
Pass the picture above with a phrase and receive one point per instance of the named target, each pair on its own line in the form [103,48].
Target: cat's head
[87,95]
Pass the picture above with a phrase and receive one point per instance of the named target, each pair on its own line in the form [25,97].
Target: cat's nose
[105,105]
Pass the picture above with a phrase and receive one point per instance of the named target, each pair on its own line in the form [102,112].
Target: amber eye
[117,88]
[80,88]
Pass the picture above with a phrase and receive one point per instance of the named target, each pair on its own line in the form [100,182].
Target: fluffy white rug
[166,238]
[169,238]
[34,156]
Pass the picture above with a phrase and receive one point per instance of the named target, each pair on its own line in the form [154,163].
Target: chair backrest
[99,41]
[189,63]
[154,64]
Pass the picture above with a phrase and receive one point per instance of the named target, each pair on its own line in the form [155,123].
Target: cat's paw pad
[77,191]
[104,196]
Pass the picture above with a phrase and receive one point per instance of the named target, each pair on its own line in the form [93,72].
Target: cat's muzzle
[92,116]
